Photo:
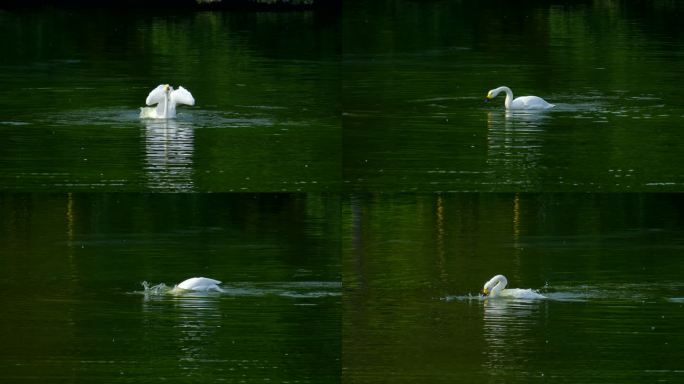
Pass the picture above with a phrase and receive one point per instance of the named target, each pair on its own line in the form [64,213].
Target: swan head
[167,88]
[495,285]
[492,94]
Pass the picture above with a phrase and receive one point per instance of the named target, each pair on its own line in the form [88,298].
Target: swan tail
[148,113]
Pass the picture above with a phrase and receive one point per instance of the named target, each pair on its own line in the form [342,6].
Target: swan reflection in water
[198,321]
[515,140]
[510,333]
[192,324]
[169,150]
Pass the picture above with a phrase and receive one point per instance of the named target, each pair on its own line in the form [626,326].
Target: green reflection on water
[283,107]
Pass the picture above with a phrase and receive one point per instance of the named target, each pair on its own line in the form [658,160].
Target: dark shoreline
[254,5]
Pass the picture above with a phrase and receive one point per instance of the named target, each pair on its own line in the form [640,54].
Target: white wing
[530,102]
[518,293]
[156,96]
[182,96]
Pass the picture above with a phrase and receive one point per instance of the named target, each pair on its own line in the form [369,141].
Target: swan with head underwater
[522,103]
[495,287]
[166,99]
[197,284]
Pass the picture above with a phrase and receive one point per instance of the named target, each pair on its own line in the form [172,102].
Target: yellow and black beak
[485,292]
[488,98]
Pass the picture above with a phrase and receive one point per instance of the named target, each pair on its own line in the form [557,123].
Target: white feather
[519,103]
[199,284]
[182,96]
[166,99]
[156,96]
[495,287]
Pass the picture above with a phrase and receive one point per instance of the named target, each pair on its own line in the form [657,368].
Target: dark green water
[610,266]
[74,309]
[365,194]
[416,74]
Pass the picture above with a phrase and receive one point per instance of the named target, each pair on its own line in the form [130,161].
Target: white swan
[203,284]
[495,288]
[519,103]
[166,99]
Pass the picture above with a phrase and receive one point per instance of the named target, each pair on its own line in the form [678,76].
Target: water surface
[609,265]
[75,310]
[416,74]
[266,88]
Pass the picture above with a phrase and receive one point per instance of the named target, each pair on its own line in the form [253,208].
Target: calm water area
[342,176]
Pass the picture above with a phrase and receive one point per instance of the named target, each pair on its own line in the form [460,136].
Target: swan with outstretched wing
[166,99]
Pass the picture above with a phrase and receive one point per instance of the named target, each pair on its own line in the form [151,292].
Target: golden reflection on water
[441,261]
[516,221]
[70,217]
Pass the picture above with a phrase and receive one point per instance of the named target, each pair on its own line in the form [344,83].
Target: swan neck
[166,104]
[501,283]
[509,97]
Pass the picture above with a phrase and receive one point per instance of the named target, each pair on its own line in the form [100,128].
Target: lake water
[75,310]
[266,89]
[609,265]
[416,74]
[342,176]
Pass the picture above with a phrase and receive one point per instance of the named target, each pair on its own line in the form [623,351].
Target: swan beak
[485,292]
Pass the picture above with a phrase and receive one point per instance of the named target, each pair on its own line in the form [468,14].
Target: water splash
[297,290]
[118,117]
[623,292]
[155,290]
[519,295]
[469,297]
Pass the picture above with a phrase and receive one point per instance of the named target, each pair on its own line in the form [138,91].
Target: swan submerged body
[519,103]
[495,287]
[197,284]
[166,99]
